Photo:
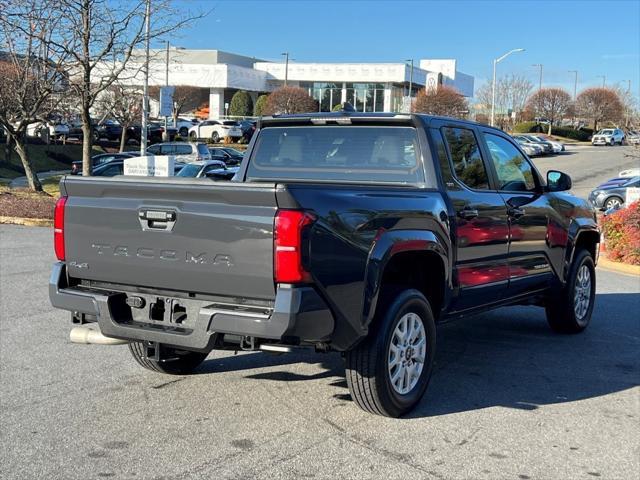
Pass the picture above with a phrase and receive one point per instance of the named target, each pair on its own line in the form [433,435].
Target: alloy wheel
[407,351]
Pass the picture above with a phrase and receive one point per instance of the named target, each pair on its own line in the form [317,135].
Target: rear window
[352,154]
[189,170]
[202,149]
[230,122]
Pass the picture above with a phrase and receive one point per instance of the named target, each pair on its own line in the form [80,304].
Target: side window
[514,171]
[443,160]
[167,150]
[154,149]
[112,171]
[183,149]
[466,159]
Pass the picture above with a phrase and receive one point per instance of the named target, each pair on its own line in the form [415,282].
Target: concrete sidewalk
[20,182]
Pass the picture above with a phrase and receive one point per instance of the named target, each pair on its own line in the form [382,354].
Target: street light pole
[410,81]
[166,84]
[540,66]
[575,83]
[145,90]
[286,67]
[493,86]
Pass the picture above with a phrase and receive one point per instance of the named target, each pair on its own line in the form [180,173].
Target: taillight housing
[58,228]
[289,227]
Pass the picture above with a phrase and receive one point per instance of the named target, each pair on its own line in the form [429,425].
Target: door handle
[468,213]
[157,219]
[515,212]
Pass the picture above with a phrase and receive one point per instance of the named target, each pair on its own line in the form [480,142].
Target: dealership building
[369,87]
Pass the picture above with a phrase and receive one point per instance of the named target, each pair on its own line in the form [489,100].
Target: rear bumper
[298,314]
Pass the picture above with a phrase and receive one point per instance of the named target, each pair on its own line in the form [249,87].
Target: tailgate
[177,234]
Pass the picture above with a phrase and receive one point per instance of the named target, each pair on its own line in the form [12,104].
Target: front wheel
[183,131]
[389,371]
[215,138]
[612,142]
[172,361]
[612,202]
[569,310]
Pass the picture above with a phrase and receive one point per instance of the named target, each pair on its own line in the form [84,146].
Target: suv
[608,136]
[215,130]
[183,151]
[347,232]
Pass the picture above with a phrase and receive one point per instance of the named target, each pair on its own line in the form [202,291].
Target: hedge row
[582,135]
[622,234]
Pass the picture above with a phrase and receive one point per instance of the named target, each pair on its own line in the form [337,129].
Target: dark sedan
[98,160]
[231,156]
[612,193]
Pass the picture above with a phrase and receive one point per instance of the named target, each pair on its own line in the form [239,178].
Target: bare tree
[31,73]
[289,100]
[512,92]
[444,100]
[123,103]
[599,105]
[550,103]
[100,37]
[629,106]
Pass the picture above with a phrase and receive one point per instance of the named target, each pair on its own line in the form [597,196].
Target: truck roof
[372,116]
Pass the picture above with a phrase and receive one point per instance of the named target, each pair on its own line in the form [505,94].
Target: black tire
[561,307]
[367,366]
[215,138]
[612,142]
[183,131]
[193,136]
[178,362]
[611,202]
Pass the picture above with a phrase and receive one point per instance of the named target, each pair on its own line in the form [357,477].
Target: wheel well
[423,271]
[588,241]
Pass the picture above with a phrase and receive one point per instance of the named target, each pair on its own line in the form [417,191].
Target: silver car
[608,136]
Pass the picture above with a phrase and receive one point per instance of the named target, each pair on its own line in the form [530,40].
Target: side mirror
[558,181]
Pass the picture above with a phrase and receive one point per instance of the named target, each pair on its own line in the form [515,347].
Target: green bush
[261,102]
[582,135]
[337,107]
[528,127]
[241,104]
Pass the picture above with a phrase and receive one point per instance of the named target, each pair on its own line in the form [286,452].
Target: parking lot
[508,398]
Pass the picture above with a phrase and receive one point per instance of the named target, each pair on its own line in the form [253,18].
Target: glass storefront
[365,97]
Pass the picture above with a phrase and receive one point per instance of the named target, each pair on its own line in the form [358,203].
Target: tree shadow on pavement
[508,357]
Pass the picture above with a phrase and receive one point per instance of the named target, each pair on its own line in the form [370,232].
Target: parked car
[54,130]
[109,130]
[98,160]
[183,151]
[557,146]
[231,156]
[214,169]
[338,233]
[215,130]
[182,126]
[633,137]
[248,128]
[608,136]
[630,172]
[612,193]
[547,148]
[530,148]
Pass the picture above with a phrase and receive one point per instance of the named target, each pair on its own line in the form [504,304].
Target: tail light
[289,228]
[58,228]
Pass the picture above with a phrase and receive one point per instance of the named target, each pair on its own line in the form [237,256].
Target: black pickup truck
[349,232]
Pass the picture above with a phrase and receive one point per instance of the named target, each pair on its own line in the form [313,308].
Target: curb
[618,267]
[28,222]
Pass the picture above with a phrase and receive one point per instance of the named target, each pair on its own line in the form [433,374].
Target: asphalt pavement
[508,399]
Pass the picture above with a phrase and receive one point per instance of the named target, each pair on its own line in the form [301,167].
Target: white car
[633,137]
[55,130]
[631,172]
[216,130]
[181,151]
[557,146]
[183,125]
[608,136]
[529,148]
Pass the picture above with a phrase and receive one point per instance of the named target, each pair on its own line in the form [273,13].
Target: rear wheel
[183,131]
[172,361]
[193,135]
[570,309]
[389,371]
[215,138]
